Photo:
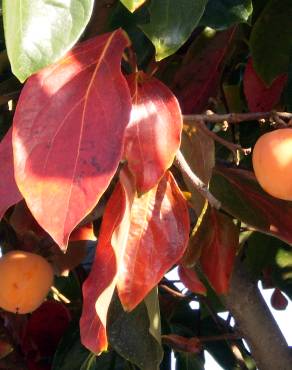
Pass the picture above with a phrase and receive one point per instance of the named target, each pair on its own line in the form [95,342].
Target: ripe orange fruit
[25,281]
[272,163]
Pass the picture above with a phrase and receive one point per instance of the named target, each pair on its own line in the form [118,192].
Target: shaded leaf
[140,347]
[65,161]
[278,300]
[154,110]
[169,33]
[221,14]
[132,5]
[242,197]
[34,31]
[272,37]
[261,98]
[196,81]
[191,280]
[9,193]
[179,343]
[219,250]
[44,330]
[5,348]
[199,151]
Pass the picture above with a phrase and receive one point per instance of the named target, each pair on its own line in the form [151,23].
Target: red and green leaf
[9,193]
[65,153]
[260,97]
[154,132]
[242,197]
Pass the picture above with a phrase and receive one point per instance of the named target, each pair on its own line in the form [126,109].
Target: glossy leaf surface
[132,5]
[196,81]
[39,32]
[272,37]
[9,193]
[154,245]
[218,250]
[222,14]
[261,98]
[153,134]
[242,197]
[169,33]
[64,161]
[191,280]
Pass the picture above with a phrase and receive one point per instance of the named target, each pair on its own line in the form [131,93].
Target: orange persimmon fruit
[25,280]
[272,163]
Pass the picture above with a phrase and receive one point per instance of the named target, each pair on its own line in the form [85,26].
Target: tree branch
[198,184]
[238,117]
[256,323]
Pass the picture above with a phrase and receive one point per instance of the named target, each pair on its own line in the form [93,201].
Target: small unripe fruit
[272,163]
[25,281]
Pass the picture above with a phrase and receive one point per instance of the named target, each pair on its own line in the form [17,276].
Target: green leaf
[221,14]
[271,40]
[132,5]
[129,335]
[39,32]
[171,24]
[152,306]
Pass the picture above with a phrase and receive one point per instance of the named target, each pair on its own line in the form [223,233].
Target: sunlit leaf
[39,32]
[64,161]
[132,5]
[155,110]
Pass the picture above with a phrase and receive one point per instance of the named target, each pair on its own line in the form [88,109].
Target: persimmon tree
[127,134]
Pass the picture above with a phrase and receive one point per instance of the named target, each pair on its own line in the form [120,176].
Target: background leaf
[242,197]
[169,33]
[9,193]
[271,37]
[221,14]
[154,110]
[39,32]
[140,347]
[64,161]
[261,98]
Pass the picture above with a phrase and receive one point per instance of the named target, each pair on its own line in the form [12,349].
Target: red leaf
[140,239]
[259,96]
[9,193]
[218,252]
[198,78]
[153,134]
[5,348]
[84,232]
[44,330]
[241,196]
[64,147]
[158,234]
[278,300]
[179,343]
[190,280]
[100,284]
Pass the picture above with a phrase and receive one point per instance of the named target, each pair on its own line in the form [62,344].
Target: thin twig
[237,117]
[198,184]
[231,146]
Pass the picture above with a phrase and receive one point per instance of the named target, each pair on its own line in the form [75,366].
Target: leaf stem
[181,163]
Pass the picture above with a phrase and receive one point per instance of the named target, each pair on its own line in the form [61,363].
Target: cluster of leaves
[95,130]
